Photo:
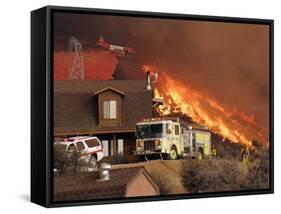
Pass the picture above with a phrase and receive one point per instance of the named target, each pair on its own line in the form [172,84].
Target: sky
[227,61]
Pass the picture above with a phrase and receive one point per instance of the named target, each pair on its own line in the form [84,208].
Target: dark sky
[228,61]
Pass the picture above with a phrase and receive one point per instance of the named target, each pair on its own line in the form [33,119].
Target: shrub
[258,176]
[210,176]
[119,159]
[228,150]
[65,162]
[225,175]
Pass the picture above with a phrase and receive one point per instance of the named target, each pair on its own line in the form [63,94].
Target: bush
[65,162]
[119,159]
[228,150]
[225,175]
[258,177]
[210,176]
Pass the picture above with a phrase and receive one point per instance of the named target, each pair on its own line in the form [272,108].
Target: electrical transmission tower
[76,64]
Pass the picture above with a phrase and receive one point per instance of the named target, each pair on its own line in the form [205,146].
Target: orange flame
[152,69]
[231,124]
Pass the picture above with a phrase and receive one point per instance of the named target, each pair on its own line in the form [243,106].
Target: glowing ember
[231,124]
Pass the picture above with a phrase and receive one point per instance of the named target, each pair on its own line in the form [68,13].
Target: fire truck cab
[172,139]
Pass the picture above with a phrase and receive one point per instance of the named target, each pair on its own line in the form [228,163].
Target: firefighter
[257,155]
[213,152]
[245,153]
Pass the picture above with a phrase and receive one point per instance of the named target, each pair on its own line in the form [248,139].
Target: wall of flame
[230,123]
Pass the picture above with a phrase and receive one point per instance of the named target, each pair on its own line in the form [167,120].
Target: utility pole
[76,64]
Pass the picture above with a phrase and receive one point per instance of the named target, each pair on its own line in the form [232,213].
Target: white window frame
[105,144]
[110,109]
[120,146]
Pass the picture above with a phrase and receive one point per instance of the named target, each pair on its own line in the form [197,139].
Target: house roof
[109,88]
[76,106]
[87,186]
[92,86]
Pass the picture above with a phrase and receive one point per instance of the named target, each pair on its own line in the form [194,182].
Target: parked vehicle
[172,139]
[89,149]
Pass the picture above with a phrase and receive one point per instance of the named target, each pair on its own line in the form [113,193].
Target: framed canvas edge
[38,156]
[49,98]
[49,102]
[151,14]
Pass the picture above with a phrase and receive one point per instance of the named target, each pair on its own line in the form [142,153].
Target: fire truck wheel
[173,153]
[200,154]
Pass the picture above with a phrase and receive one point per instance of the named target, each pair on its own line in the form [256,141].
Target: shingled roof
[82,86]
[88,187]
[76,105]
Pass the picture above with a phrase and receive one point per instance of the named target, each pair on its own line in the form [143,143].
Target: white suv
[89,148]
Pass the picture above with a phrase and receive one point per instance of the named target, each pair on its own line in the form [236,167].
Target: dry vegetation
[65,163]
[225,175]
[69,162]
[193,176]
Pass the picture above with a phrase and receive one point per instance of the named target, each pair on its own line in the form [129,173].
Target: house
[124,182]
[107,109]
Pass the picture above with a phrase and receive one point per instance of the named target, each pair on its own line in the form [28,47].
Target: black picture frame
[42,103]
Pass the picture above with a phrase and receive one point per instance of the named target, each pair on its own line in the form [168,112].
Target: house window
[105,148]
[110,109]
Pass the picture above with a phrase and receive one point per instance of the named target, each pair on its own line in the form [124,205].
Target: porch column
[114,144]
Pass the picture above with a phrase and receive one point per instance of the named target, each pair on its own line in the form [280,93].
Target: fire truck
[172,139]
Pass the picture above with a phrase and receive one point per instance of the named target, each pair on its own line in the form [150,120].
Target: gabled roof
[76,106]
[87,186]
[109,88]
[92,86]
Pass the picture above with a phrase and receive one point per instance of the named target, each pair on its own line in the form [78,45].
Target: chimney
[148,81]
[104,172]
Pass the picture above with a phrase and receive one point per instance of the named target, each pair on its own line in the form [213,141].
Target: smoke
[227,61]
